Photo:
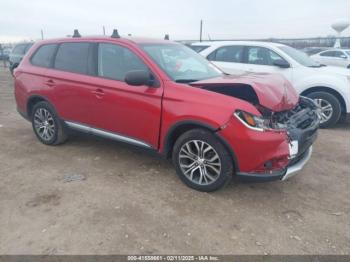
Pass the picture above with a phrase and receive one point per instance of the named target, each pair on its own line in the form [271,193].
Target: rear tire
[201,161]
[47,126]
[330,108]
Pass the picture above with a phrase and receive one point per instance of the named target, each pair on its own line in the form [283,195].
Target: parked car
[17,54]
[328,86]
[313,50]
[165,97]
[4,54]
[334,57]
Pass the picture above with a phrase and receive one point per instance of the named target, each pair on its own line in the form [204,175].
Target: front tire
[201,161]
[330,108]
[47,127]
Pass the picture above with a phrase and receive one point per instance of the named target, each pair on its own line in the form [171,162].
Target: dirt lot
[132,202]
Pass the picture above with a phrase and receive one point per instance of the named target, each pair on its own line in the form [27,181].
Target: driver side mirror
[343,56]
[139,78]
[281,63]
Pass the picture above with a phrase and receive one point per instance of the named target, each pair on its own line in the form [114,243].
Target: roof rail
[76,33]
[115,34]
[166,37]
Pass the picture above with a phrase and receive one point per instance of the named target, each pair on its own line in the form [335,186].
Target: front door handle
[99,93]
[50,82]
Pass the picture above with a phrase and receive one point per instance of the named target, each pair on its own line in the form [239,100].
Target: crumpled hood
[273,91]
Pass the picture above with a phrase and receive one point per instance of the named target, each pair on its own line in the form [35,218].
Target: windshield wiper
[185,80]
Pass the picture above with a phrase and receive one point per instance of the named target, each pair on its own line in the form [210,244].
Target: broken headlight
[258,123]
[253,122]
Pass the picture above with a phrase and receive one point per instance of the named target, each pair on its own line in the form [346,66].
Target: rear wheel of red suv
[201,160]
[46,125]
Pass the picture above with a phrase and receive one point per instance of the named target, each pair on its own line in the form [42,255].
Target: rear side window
[73,57]
[227,54]
[115,61]
[43,56]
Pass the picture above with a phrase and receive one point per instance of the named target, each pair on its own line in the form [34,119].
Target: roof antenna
[115,34]
[166,37]
[76,33]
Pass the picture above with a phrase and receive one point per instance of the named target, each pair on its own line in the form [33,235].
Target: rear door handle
[99,93]
[50,82]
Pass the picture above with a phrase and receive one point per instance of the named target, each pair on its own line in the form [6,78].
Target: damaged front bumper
[291,170]
[302,124]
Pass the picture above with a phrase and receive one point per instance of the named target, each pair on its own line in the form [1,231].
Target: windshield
[181,63]
[299,56]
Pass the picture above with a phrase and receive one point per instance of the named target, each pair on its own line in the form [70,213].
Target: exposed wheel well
[31,102]
[178,129]
[327,90]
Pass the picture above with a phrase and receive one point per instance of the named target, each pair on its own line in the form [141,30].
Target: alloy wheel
[44,124]
[199,162]
[326,109]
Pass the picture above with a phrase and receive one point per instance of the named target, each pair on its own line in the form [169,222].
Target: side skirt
[106,134]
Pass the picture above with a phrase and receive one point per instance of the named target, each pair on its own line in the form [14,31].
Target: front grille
[303,116]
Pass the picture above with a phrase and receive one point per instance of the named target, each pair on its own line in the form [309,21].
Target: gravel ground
[131,202]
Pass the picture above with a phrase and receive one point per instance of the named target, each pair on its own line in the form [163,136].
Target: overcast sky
[224,19]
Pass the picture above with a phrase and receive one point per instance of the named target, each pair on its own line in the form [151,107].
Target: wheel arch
[33,100]
[328,90]
[183,126]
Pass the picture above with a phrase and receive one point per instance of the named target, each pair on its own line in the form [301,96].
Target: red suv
[163,96]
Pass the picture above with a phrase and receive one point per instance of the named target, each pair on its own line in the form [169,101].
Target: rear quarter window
[44,55]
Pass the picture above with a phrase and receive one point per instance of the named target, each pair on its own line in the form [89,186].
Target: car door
[340,59]
[229,59]
[262,60]
[131,112]
[71,79]
[327,58]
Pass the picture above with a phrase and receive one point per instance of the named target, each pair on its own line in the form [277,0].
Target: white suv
[328,86]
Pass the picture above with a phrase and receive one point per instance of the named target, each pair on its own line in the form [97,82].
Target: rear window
[73,57]
[27,47]
[43,56]
[19,49]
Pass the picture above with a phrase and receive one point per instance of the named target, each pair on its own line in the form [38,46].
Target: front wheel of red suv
[46,125]
[201,161]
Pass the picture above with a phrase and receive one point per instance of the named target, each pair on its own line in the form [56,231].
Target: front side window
[43,56]
[181,63]
[262,56]
[115,61]
[73,57]
[233,54]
